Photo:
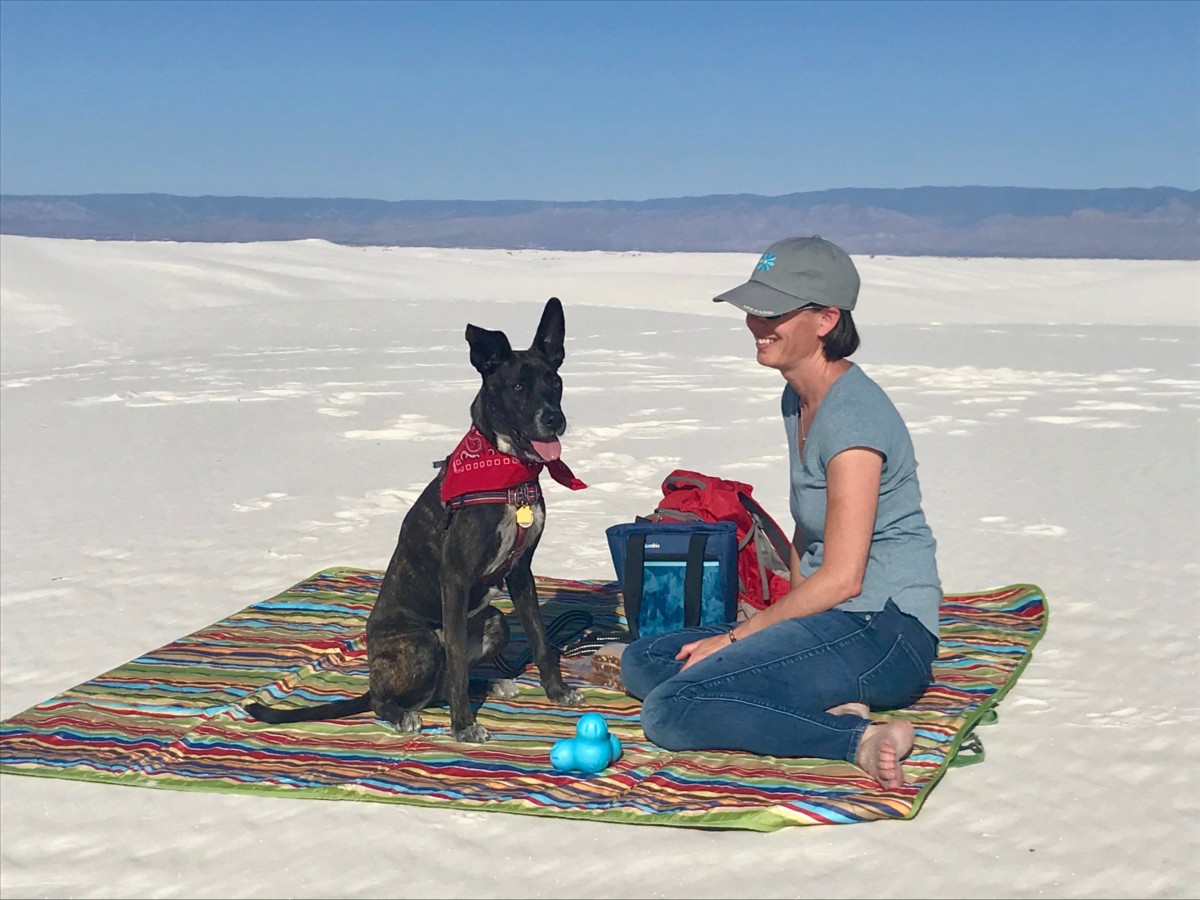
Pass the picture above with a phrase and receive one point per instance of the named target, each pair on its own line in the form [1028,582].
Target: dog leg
[406,666]
[488,635]
[523,591]
[456,644]
[405,721]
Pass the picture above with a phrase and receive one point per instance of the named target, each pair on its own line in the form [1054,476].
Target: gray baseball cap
[795,272]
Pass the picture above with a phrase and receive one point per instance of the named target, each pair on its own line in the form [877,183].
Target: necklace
[803,432]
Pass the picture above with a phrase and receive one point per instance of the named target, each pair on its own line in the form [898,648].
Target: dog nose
[553,420]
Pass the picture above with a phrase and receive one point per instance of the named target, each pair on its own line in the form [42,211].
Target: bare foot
[882,747]
[850,709]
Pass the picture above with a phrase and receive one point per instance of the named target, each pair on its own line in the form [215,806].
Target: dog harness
[476,472]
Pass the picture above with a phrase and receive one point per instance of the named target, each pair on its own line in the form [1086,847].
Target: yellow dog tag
[524,516]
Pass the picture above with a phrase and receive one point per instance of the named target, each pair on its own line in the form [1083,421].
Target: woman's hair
[842,340]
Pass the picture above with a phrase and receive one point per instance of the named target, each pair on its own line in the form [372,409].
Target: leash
[571,633]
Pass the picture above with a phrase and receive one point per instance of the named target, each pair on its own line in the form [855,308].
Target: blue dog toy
[591,750]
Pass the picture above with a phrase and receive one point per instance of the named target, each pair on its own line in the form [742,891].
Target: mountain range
[1131,223]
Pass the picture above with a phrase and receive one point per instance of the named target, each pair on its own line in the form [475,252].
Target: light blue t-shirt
[901,564]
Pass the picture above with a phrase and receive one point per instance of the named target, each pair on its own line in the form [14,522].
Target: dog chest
[510,531]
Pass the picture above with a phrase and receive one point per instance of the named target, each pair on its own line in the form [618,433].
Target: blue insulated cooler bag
[675,574]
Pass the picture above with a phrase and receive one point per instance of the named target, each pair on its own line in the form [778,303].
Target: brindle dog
[432,620]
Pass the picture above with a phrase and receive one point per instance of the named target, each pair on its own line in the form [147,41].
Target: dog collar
[476,472]
[522,496]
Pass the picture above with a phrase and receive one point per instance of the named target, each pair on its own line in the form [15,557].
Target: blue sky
[579,100]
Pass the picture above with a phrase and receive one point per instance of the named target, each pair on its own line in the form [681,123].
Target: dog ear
[551,331]
[488,348]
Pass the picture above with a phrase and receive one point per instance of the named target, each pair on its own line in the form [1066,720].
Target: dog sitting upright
[476,524]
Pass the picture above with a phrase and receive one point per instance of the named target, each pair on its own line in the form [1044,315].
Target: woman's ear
[830,316]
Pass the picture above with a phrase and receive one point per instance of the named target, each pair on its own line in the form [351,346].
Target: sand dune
[188,428]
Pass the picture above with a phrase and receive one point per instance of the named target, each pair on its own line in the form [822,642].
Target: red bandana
[476,466]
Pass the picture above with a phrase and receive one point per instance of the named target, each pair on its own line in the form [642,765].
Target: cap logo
[765,262]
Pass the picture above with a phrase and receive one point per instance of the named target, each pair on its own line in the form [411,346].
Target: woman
[859,628]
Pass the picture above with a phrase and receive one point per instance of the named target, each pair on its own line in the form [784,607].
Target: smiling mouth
[764,341]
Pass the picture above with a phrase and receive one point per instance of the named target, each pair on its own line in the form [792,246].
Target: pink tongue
[547,450]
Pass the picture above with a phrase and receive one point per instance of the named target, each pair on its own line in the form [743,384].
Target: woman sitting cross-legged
[858,631]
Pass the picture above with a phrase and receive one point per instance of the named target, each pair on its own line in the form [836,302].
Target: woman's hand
[698,650]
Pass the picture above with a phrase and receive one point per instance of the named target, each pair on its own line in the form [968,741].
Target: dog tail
[338,709]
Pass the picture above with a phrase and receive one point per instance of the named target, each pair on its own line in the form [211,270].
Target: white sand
[189,428]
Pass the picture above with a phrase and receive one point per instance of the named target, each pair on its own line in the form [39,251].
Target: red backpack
[764,550]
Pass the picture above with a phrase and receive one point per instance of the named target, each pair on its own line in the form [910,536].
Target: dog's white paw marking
[569,697]
[503,688]
[408,723]
[472,734]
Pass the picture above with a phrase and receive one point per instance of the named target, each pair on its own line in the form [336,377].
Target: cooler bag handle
[635,557]
[693,581]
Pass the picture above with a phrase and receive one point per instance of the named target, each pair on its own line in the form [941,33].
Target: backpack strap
[776,544]
[774,534]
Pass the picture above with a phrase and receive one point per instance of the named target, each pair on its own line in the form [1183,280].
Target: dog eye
[518,386]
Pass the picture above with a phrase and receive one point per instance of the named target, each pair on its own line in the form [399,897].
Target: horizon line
[1161,187]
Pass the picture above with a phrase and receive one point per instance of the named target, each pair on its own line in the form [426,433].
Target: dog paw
[472,734]
[504,688]
[566,696]
[406,722]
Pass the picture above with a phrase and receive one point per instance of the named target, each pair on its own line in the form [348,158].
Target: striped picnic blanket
[172,719]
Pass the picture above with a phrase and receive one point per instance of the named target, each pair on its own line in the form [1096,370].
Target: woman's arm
[794,561]
[852,486]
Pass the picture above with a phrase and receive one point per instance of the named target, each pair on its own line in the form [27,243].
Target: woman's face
[782,341]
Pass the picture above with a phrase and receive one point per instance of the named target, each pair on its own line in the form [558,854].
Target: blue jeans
[767,693]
